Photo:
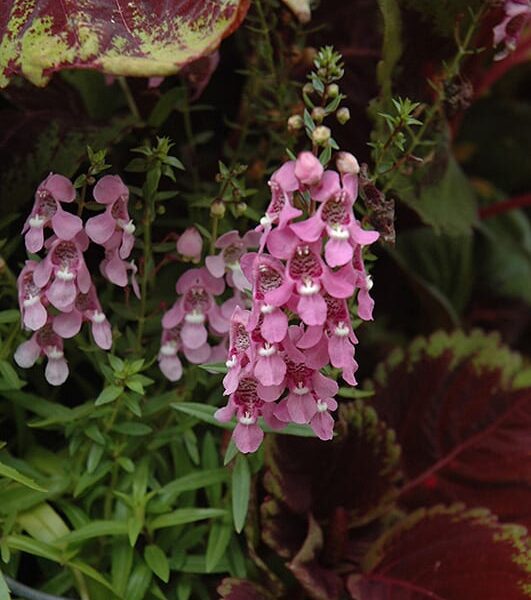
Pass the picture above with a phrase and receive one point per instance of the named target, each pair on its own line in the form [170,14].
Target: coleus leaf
[307,475]
[461,408]
[145,38]
[446,553]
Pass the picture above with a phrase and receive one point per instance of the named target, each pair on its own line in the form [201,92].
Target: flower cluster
[507,32]
[302,277]
[195,319]
[56,294]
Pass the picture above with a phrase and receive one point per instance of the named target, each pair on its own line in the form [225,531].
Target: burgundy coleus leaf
[357,471]
[232,588]
[144,38]
[461,408]
[446,553]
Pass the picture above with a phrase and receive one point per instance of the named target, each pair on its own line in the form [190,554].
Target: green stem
[190,137]
[129,98]
[81,585]
[214,234]
[146,272]
[82,195]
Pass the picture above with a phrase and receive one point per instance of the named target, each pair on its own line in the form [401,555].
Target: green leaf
[109,394]
[220,367]
[23,543]
[90,572]
[193,481]
[392,46]
[131,428]
[181,516]
[14,475]
[218,540]
[95,529]
[10,376]
[231,452]
[241,488]
[157,562]
[169,101]
[122,561]
[139,582]
[4,590]
[9,316]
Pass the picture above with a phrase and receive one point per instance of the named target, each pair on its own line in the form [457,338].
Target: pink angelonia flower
[239,354]
[44,342]
[169,362]
[364,283]
[115,269]
[113,228]
[246,404]
[280,211]
[232,249]
[194,309]
[336,216]
[322,422]
[266,274]
[87,307]
[190,245]
[47,210]
[64,266]
[509,30]
[31,298]
[341,338]
[308,169]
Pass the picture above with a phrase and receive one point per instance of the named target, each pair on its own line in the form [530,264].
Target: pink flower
[232,248]
[47,210]
[114,226]
[190,245]
[31,298]
[195,309]
[322,422]
[308,169]
[364,283]
[44,342]
[86,307]
[169,362]
[247,405]
[508,31]
[64,267]
[239,354]
[115,269]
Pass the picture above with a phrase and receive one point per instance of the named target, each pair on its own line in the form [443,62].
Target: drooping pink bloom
[86,307]
[308,169]
[190,245]
[44,342]
[364,283]
[113,228]
[169,362]
[117,270]
[47,211]
[65,269]
[322,422]
[232,249]
[245,403]
[240,349]
[195,309]
[335,216]
[31,298]
[509,30]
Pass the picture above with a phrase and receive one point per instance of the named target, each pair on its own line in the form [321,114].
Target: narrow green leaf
[218,540]
[95,529]
[139,582]
[109,394]
[10,376]
[231,452]
[14,475]
[90,572]
[121,563]
[182,516]
[132,428]
[157,562]
[193,481]
[24,543]
[220,367]
[9,316]
[4,590]
[241,487]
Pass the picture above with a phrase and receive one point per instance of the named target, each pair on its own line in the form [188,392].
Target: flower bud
[295,122]
[217,209]
[347,163]
[321,135]
[307,89]
[332,90]
[343,115]
[318,114]
[240,208]
[190,244]
[308,169]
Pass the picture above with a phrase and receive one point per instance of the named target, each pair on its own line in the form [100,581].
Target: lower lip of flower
[168,350]
[195,318]
[309,288]
[247,419]
[64,274]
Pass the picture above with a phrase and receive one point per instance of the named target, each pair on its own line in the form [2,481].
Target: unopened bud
[318,114]
[161,210]
[307,88]
[217,209]
[332,90]
[343,115]
[240,209]
[295,122]
[321,135]
[347,163]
